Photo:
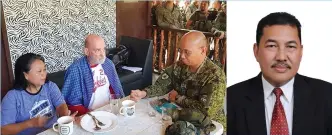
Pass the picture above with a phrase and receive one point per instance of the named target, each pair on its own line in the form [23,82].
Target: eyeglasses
[99,50]
[187,53]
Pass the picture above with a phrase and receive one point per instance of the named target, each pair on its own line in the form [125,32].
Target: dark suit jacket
[312,112]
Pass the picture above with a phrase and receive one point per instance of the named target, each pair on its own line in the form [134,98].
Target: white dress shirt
[287,100]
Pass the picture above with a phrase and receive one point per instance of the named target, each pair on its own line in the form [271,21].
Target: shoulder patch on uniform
[204,98]
[164,76]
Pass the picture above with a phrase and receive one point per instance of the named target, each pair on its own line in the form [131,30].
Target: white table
[141,124]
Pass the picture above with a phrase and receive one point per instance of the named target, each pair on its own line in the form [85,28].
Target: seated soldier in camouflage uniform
[219,29]
[194,82]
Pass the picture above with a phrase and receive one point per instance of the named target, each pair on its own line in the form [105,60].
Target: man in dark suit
[279,101]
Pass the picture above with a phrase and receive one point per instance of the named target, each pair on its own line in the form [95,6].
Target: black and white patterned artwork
[56,29]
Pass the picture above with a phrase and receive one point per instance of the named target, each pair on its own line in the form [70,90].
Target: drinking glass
[150,105]
[114,103]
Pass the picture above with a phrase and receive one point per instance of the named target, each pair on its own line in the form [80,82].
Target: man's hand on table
[172,95]
[136,95]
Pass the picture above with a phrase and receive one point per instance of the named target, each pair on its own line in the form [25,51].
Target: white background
[242,19]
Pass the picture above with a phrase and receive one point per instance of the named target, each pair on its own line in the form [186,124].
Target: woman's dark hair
[23,64]
[277,18]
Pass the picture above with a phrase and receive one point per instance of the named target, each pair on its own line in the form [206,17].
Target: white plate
[109,119]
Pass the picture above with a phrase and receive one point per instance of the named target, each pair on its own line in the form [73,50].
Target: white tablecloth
[141,124]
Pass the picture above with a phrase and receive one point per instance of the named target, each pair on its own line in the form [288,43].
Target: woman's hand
[172,95]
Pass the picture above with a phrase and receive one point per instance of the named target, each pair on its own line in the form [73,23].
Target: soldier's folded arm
[163,24]
[188,24]
[160,18]
[162,85]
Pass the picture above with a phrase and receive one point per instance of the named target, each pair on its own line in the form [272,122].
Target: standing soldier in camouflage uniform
[169,16]
[220,22]
[195,82]
[216,6]
[199,20]
[191,9]
[155,5]
[220,28]
[184,10]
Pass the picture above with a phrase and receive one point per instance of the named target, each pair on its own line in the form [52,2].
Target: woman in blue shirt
[34,103]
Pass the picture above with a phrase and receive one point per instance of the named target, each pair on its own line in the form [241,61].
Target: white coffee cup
[128,108]
[65,125]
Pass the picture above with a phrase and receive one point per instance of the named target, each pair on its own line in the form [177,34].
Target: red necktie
[279,124]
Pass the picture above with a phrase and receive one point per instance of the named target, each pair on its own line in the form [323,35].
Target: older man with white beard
[90,80]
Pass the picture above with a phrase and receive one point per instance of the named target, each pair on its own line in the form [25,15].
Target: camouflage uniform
[183,16]
[154,22]
[204,23]
[165,18]
[153,14]
[220,22]
[200,21]
[219,25]
[181,128]
[190,10]
[203,90]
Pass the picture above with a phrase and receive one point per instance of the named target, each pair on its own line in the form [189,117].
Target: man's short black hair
[277,18]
